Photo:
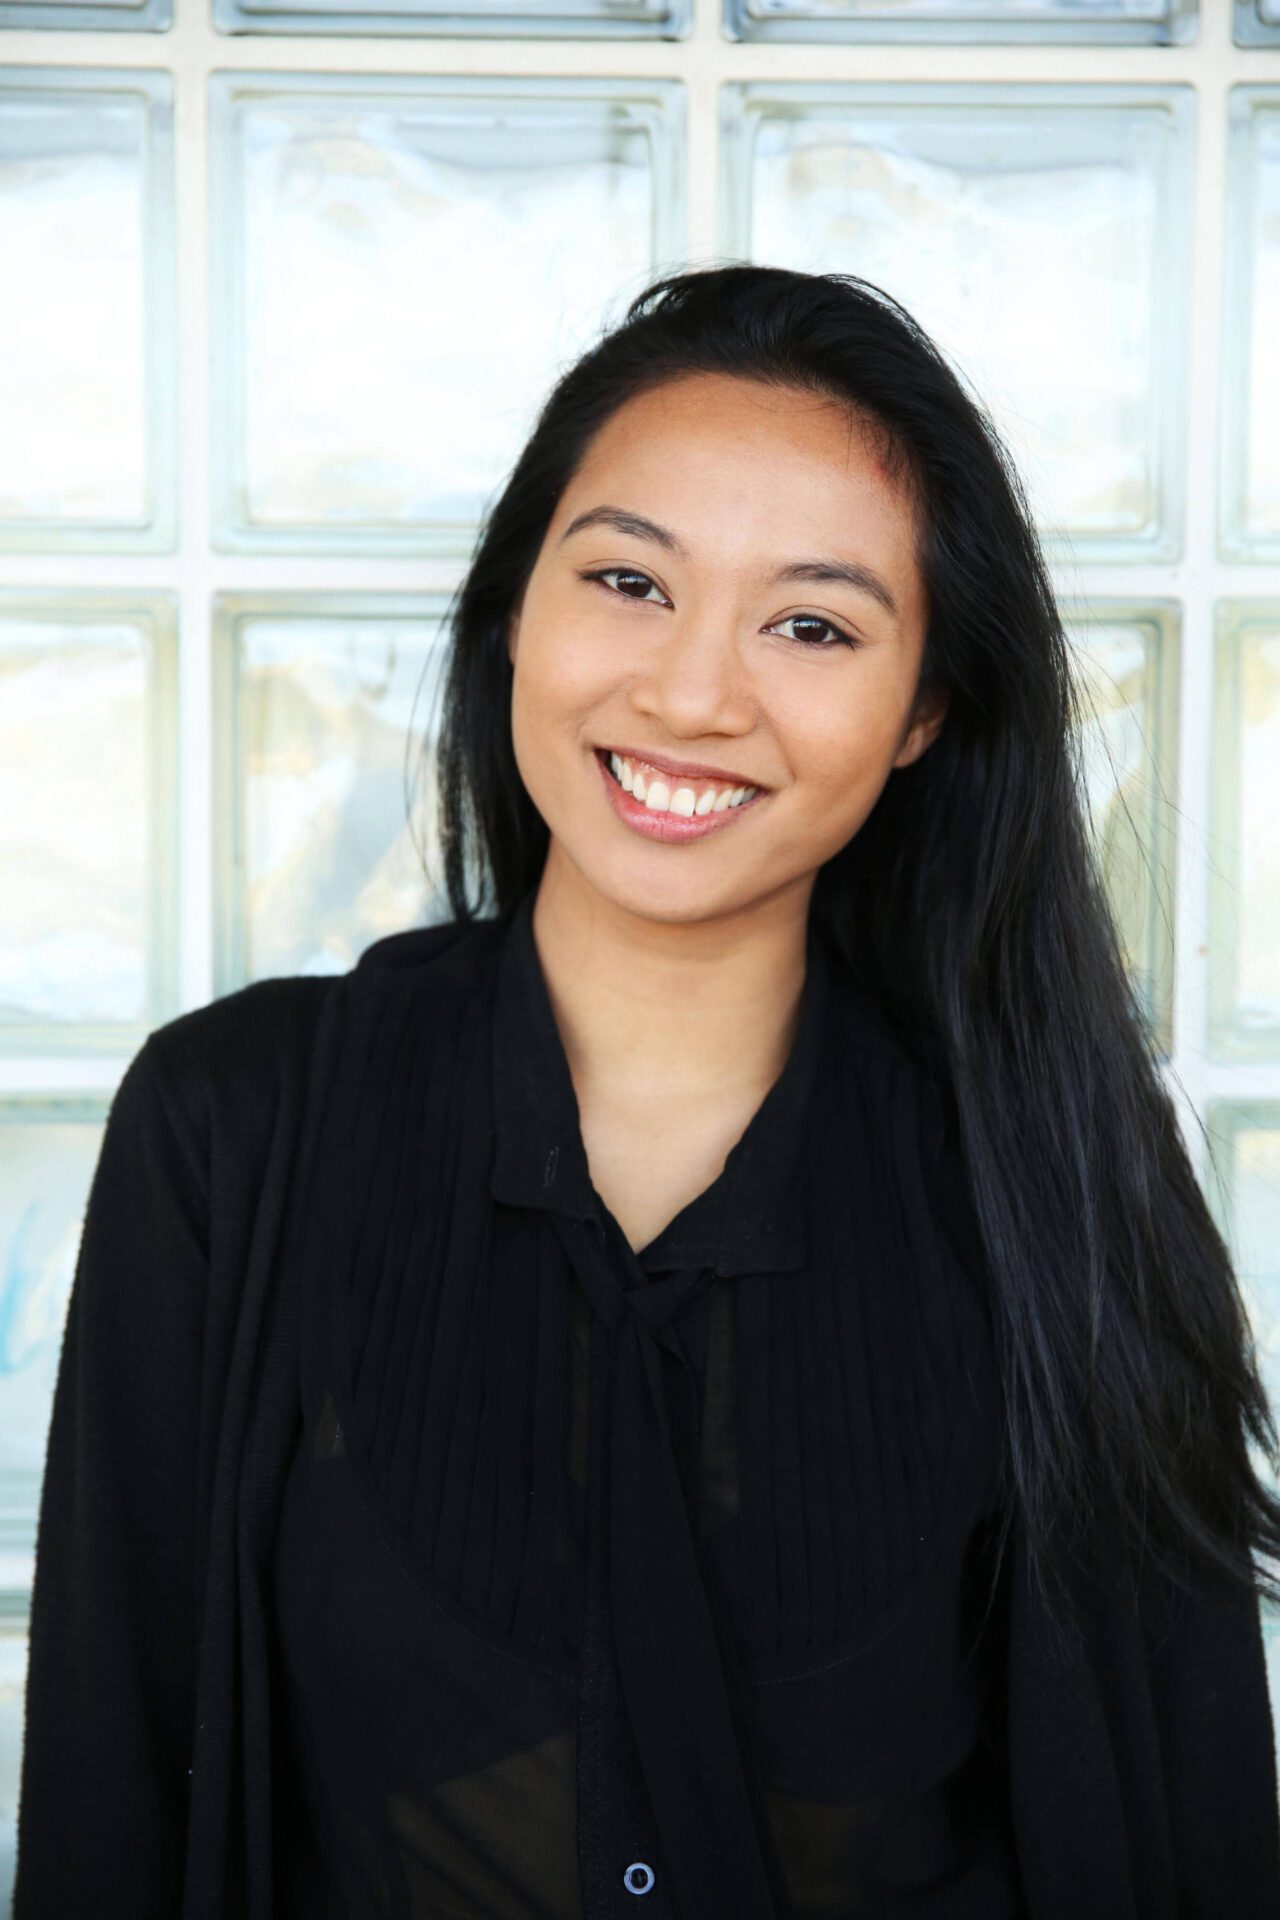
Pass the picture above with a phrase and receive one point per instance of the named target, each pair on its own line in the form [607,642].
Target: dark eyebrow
[844,573]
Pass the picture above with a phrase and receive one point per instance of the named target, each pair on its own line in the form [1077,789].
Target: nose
[697,681]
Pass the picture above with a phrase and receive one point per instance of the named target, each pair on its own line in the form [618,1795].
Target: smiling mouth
[713,793]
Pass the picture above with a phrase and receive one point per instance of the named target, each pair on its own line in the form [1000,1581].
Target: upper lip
[692,769]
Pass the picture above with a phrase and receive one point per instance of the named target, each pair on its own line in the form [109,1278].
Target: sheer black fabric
[406,1709]
[617,1584]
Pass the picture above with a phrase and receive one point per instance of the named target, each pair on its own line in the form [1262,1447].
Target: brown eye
[601,577]
[838,635]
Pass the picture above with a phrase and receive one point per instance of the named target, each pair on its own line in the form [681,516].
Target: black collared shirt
[632,1584]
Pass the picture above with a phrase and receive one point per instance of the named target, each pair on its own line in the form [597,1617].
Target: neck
[689,1010]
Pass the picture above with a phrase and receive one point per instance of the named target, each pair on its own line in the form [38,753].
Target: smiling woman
[714,1383]
[713,664]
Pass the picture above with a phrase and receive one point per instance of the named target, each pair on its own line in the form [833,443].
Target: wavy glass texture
[1150,22]
[1127,670]
[565,20]
[50,1147]
[392,253]
[48,1150]
[1244,1193]
[13,1682]
[1244,947]
[1250,385]
[85,458]
[323,860]
[131,15]
[1038,234]
[87,819]
[1256,23]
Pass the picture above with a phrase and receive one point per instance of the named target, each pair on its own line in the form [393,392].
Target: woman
[711,1390]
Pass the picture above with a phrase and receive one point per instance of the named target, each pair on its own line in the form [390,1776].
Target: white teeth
[659,797]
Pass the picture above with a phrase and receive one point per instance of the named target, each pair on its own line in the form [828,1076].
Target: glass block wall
[233,505]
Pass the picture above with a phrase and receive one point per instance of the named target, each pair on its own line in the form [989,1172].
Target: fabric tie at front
[669,1662]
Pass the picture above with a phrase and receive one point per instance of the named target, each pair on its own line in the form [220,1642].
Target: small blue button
[638,1877]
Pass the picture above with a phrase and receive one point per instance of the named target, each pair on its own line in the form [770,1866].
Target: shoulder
[450,957]
[264,1030]
[249,1049]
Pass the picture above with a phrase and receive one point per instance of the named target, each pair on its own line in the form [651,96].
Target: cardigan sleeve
[1208,1671]
[113,1629]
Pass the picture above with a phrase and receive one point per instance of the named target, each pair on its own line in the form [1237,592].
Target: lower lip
[676,827]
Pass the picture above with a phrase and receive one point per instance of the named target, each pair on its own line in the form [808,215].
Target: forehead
[747,469]
[722,411]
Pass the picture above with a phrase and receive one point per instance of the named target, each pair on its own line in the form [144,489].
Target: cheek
[564,674]
[840,770]
[553,696]
[835,752]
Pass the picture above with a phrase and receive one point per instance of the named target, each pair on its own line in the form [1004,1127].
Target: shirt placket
[660,1763]
[618,1852]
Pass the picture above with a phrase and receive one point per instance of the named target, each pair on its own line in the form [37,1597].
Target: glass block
[88,818]
[1040,234]
[1257,23]
[1249,489]
[1153,23]
[1243,1189]
[48,1150]
[487,19]
[1126,668]
[403,267]
[325,702]
[130,16]
[1271,1646]
[87,322]
[1244,872]
[13,1687]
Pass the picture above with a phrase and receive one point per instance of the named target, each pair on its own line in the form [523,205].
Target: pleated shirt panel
[492,1607]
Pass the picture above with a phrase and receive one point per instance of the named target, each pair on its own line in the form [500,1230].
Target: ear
[926,725]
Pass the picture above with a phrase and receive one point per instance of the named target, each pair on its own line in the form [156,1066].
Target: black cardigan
[1142,1759]
[607,1574]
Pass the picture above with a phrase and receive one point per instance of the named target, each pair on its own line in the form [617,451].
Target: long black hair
[970,905]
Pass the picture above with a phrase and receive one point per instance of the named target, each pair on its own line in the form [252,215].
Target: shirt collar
[751,1218]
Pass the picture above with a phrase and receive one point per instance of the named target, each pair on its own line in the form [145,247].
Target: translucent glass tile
[1126,663]
[1244,947]
[1249,491]
[326,703]
[403,267]
[131,16]
[1244,1190]
[87,389]
[1158,23]
[48,1149]
[13,1684]
[1257,23]
[1040,234]
[88,818]
[537,19]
